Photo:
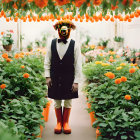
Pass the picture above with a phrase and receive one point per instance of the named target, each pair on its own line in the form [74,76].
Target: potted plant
[103,43]
[38,43]
[119,41]
[7,40]
[30,47]
[44,40]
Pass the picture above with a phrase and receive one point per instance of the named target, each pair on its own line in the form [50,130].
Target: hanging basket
[7,47]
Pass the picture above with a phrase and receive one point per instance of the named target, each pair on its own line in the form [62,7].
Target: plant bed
[23,90]
[115,99]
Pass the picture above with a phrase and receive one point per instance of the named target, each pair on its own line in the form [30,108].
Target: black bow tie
[62,40]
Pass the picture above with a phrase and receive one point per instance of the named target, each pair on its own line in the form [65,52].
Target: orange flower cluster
[26,75]
[111,60]
[118,81]
[125,2]
[3,86]
[132,70]
[22,66]
[6,1]
[2,33]
[8,60]
[5,56]
[127,97]
[97,2]
[123,79]
[16,56]
[110,75]
[62,2]
[87,18]
[78,3]
[19,55]
[41,3]
[30,1]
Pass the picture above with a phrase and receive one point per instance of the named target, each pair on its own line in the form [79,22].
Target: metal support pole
[18,35]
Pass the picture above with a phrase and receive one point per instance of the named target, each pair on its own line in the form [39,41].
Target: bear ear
[55,27]
[73,26]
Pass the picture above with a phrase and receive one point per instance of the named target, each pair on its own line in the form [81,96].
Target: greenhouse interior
[69,69]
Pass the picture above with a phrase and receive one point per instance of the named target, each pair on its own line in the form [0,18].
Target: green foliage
[118,39]
[7,38]
[103,42]
[23,99]
[25,7]
[5,132]
[117,118]
[30,46]
[85,45]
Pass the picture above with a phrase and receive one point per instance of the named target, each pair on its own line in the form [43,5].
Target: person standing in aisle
[62,71]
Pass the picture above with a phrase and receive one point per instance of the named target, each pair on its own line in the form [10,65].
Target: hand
[75,87]
[49,82]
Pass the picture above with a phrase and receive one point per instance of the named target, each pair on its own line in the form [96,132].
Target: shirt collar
[67,39]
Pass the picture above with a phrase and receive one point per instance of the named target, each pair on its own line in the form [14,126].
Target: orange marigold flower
[123,79]
[30,0]
[124,2]
[3,86]
[62,2]
[132,70]
[26,75]
[5,55]
[98,132]
[117,56]
[22,66]
[17,56]
[123,64]
[97,2]
[118,81]
[110,75]
[41,3]
[8,60]
[21,56]
[111,60]
[2,33]
[78,3]
[127,97]
[27,53]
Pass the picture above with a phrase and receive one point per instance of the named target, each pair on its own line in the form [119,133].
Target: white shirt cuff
[47,73]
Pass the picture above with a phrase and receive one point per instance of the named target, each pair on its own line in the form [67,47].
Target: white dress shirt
[62,48]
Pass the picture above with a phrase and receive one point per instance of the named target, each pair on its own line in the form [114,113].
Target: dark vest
[62,73]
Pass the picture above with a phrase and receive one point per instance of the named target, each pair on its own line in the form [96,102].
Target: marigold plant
[98,62]
[22,66]
[41,3]
[118,81]
[123,64]
[118,68]
[5,55]
[26,75]
[123,79]
[132,70]
[8,60]
[3,86]
[110,75]
[127,97]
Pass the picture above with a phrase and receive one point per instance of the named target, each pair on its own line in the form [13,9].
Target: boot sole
[67,132]
[57,132]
